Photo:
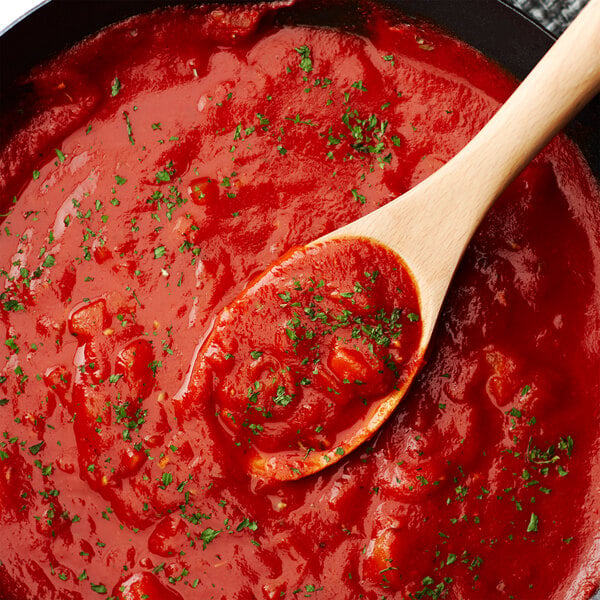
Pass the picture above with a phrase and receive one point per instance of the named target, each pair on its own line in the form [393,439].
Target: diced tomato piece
[132,363]
[385,557]
[168,536]
[144,586]
[53,521]
[203,190]
[501,385]
[356,365]
[131,461]
[90,319]
[349,364]
[101,253]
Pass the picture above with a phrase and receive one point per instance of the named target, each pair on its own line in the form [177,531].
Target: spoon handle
[562,83]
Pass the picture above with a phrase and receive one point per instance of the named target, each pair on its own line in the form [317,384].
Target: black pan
[498,30]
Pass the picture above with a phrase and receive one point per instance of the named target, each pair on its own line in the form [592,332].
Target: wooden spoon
[430,226]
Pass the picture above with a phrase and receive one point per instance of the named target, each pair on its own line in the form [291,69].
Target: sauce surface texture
[157,169]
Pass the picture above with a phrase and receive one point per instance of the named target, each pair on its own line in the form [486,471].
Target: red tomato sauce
[156,169]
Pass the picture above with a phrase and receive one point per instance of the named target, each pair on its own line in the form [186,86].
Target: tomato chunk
[144,586]
[90,319]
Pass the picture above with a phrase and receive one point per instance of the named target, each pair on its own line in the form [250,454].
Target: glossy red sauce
[157,169]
